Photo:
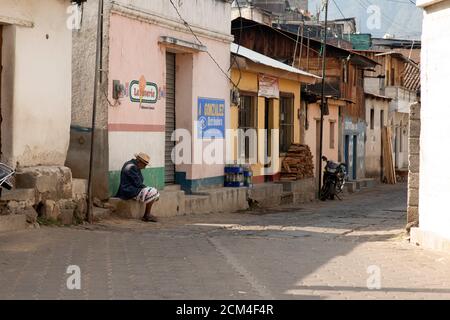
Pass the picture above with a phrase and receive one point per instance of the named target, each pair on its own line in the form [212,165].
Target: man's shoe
[150,218]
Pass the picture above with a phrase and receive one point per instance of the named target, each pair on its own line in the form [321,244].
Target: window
[246,120]
[372,119]
[381,119]
[332,135]
[286,121]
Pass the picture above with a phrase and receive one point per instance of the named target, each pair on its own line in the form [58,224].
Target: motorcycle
[334,177]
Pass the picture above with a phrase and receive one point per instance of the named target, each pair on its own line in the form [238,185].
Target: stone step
[266,194]
[287,197]
[171,203]
[13,222]
[172,187]
[79,188]
[28,195]
[101,213]
[197,204]
[127,209]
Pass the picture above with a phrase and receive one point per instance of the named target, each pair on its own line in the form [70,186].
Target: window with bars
[286,122]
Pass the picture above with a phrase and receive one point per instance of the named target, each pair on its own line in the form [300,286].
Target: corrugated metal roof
[265,60]
[411,77]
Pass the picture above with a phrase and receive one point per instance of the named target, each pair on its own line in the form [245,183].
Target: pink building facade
[161,77]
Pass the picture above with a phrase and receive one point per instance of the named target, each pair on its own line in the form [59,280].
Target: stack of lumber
[298,163]
[388,159]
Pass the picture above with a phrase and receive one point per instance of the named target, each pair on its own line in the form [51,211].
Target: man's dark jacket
[131,181]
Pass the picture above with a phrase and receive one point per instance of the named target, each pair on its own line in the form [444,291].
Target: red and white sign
[268,87]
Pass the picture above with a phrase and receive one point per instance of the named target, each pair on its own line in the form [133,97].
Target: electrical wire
[187,25]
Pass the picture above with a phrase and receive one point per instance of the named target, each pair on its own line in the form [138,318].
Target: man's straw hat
[143,157]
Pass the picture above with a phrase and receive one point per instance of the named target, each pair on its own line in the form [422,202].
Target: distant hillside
[400,18]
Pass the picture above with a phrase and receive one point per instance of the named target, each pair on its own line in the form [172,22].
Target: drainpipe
[322,106]
[97,79]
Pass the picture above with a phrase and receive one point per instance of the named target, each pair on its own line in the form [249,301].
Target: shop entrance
[169,165]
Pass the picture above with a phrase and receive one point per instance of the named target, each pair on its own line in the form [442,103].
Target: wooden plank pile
[388,159]
[298,163]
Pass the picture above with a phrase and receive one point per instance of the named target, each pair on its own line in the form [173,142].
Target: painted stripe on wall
[153,177]
[136,127]
[123,146]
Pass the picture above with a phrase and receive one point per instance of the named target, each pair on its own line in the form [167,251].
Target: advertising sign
[147,93]
[211,118]
[268,87]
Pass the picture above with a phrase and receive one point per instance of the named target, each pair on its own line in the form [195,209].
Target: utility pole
[322,103]
[97,80]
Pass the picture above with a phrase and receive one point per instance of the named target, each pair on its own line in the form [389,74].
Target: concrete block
[414,164]
[196,204]
[228,199]
[79,188]
[413,197]
[414,146]
[414,111]
[287,198]
[267,194]
[13,222]
[31,215]
[80,209]
[413,180]
[350,186]
[414,129]
[50,210]
[303,190]
[171,203]
[49,182]
[128,209]
[19,195]
[66,216]
[412,214]
[101,213]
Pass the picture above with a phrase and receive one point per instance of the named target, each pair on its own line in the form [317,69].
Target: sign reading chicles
[211,118]
[268,86]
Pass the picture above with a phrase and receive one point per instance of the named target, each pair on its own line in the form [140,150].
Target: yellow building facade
[277,115]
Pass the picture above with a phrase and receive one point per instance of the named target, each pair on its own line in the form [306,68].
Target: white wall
[434,209]
[38,74]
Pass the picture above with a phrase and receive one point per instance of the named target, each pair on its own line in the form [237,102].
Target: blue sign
[211,118]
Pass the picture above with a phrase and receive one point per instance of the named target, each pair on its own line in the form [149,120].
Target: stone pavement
[331,250]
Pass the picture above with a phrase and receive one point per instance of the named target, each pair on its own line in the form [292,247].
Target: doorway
[318,160]
[355,156]
[268,139]
[169,165]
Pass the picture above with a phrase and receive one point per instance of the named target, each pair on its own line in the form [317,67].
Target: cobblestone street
[315,251]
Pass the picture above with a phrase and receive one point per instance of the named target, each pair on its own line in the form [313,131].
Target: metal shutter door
[170,117]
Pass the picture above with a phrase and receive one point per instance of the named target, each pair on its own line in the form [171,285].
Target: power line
[187,25]
[342,14]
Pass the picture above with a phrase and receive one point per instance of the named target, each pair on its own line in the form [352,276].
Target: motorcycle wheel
[332,191]
[324,193]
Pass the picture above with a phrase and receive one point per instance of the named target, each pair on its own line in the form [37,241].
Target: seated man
[132,185]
